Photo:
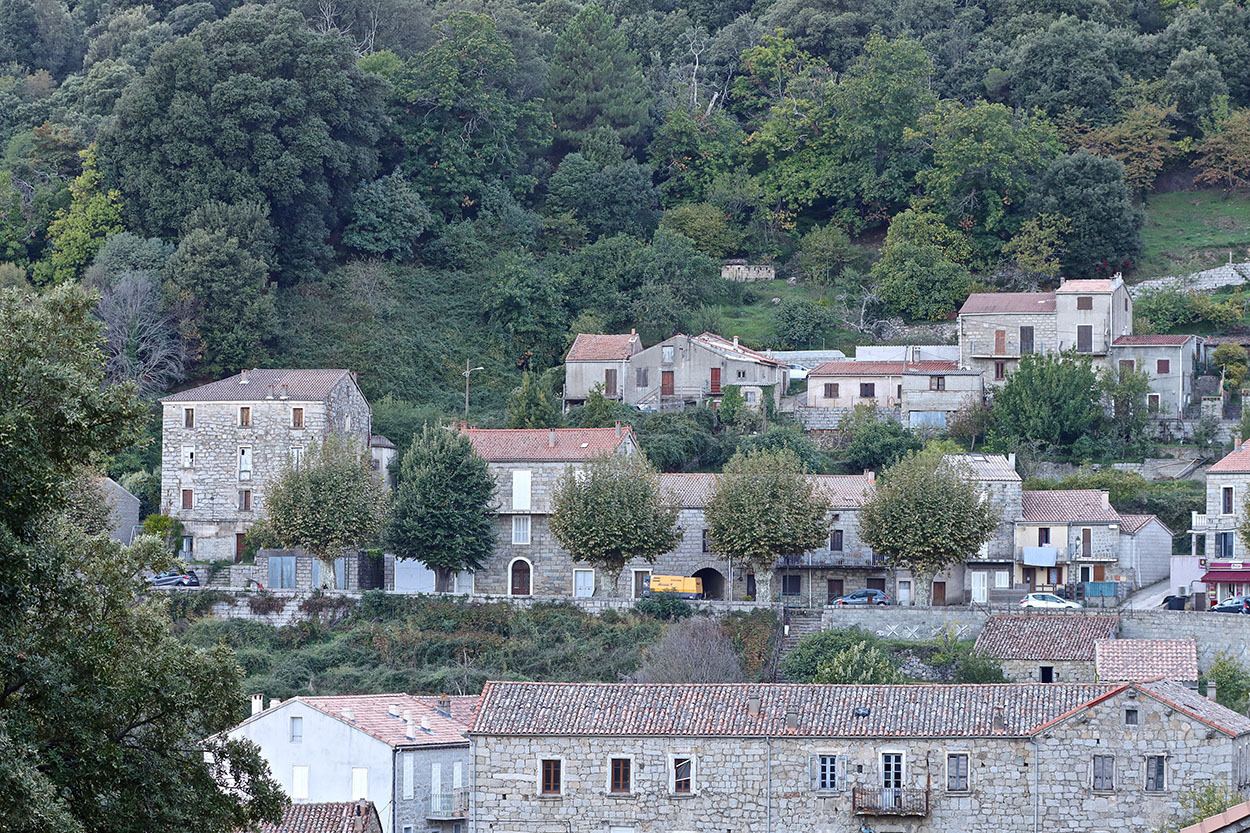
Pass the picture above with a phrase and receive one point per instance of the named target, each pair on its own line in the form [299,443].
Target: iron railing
[449,804]
[889,801]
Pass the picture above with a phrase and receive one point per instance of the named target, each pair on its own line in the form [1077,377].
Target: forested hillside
[396,186]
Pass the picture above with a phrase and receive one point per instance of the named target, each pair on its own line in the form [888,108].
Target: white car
[1048,600]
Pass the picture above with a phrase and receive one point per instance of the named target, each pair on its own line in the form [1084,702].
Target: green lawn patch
[1188,231]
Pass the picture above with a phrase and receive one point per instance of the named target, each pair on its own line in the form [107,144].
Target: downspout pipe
[473,781]
[1037,774]
[768,797]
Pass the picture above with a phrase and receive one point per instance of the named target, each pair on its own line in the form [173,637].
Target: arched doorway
[519,577]
[713,583]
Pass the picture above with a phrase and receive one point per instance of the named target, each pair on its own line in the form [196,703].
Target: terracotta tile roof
[545,444]
[301,386]
[1125,660]
[1151,341]
[371,713]
[588,347]
[1045,636]
[980,303]
[1221,822]
[327,817]
[693,491]
[898,711]
[1061,506]
[992,467]
[729,347]
[1235,462]
[1198,707]
[852,368]
[1132,524]
[1087,285]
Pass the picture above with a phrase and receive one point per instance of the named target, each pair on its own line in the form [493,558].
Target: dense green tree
[302,143]
[765,507]
[104,709]
[926,515]
[442,514]
[594,80]
[707,227]
[878,443]
[922,271]
[578,187]
[1195,83]
[1105,224]
[526,304]
[79,231]
[329,502]
[777,437]
[611,512]
[532,407]
[387,219]
[800,324]
[1050,399]
[40,35]
[1141,139]
[690,150]
[1065,66]
[1224,154]
[1125,391]
[823,253]
[124,253]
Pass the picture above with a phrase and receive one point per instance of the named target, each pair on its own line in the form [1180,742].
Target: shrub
[802,664]
[860,664]
[265,603]
[667,607]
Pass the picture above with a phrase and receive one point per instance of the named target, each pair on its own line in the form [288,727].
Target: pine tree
[594,80]
[532,407]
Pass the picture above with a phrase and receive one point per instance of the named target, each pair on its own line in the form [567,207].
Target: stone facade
[685,370]
[123,510]
[1064,671]
[1170,368]
[210,458]
[1043,781]
[741,272]
[978,349]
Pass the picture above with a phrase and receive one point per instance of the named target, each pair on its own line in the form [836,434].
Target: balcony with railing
[889,801]
[822,559]
[449,804]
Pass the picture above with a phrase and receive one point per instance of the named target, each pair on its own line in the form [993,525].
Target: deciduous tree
[694,650]
[1050,399]
[860,664]
[532,407]
[1224,154]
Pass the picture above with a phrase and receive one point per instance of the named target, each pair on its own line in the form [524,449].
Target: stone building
[221,443]
[691,370]
[1053,647]
[1126,660]
[740,271]
[527,465]
[409,755]
[1066,536]
[988,571]
[1169,361]
[846,384]
[1228,486]
[123,510]
[743,758]
[598,360]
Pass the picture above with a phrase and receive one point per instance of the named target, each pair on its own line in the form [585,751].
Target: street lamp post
[467,371]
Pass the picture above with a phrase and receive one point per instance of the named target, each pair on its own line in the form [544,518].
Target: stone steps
[802,623]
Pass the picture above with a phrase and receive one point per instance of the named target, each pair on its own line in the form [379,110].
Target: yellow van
[686,588]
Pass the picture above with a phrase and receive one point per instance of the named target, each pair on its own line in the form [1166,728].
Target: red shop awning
[1228,576]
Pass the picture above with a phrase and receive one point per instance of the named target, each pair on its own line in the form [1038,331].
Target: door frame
[668,383]
[633,580]
[590,570]
[530,566]
[984,582]
[829,589]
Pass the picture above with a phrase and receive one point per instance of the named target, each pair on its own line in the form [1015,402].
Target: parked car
[175,578]
[1048,600]
[863,597]
[1233,604]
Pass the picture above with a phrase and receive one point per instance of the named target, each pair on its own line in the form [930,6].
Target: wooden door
[1000,342]
[609,382]
[1084,339]
[1026,340]
[714,382]
[1087,543]
[876,584]
[520,578]
[1100,572]
[666,383]
[939,593]
[835,589]
[1030,578]
[238,547]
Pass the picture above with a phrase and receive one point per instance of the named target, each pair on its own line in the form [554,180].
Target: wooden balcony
[883,801]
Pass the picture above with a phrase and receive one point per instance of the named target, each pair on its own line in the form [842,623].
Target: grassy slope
[752,322]
[1187,231]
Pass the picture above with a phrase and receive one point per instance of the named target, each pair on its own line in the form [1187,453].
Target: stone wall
[1065,671]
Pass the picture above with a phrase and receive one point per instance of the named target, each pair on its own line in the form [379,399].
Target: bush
[1232,680]
[860,664]
[803,663]
[667,607]
[976,669]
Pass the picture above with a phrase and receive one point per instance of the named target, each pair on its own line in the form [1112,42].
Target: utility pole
[467,372]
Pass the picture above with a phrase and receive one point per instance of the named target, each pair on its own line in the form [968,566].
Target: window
[188,547]
[1026,340]
[683,776]
[1000,371]
[831,390]
[748,396]
[1046,674]
[1043,536]
[707,544]
[245,416]
[1156,773]
[742,374]
[957,772]
[609,382]
[360,783]
[297,417]
[410,759]
[245,500]
[937,383]
[641,377]
[188,417]
[297,729]
[1163,367]
[551,784]
[1104,773]
[867,390]
[835,541]
[299,782]
[187,499]
[1226,500]
[1002,579]
[1152,403]
[1224,544]
[245,462]
[791,585]
[1126,365]
[619,778]
[828,772]
[521,491]
[1084,338]
[1130,717]
[295,455]
[188,456]
[1084,302]
[520,529]
[666,354]
[583,584]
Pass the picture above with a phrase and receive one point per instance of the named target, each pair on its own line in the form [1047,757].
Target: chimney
[444,705]
[282,393]
[1211,690]
[1237,441]
[999,723]
[735,342]
[243,378]
[274,702]
[258,703]
[551,438]
[753,705]
[1011,459]
[425,723]
[360,823]
[618,428]
[348,713]
[871,475]
[393,710]
[1106,500]
[633,331]
[270,396]
[410,731]
[792,719]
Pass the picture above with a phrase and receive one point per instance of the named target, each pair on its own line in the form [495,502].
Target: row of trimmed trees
[924,514]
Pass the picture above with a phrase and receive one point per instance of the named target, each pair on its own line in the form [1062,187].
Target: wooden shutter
[813,772]
[840,764]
